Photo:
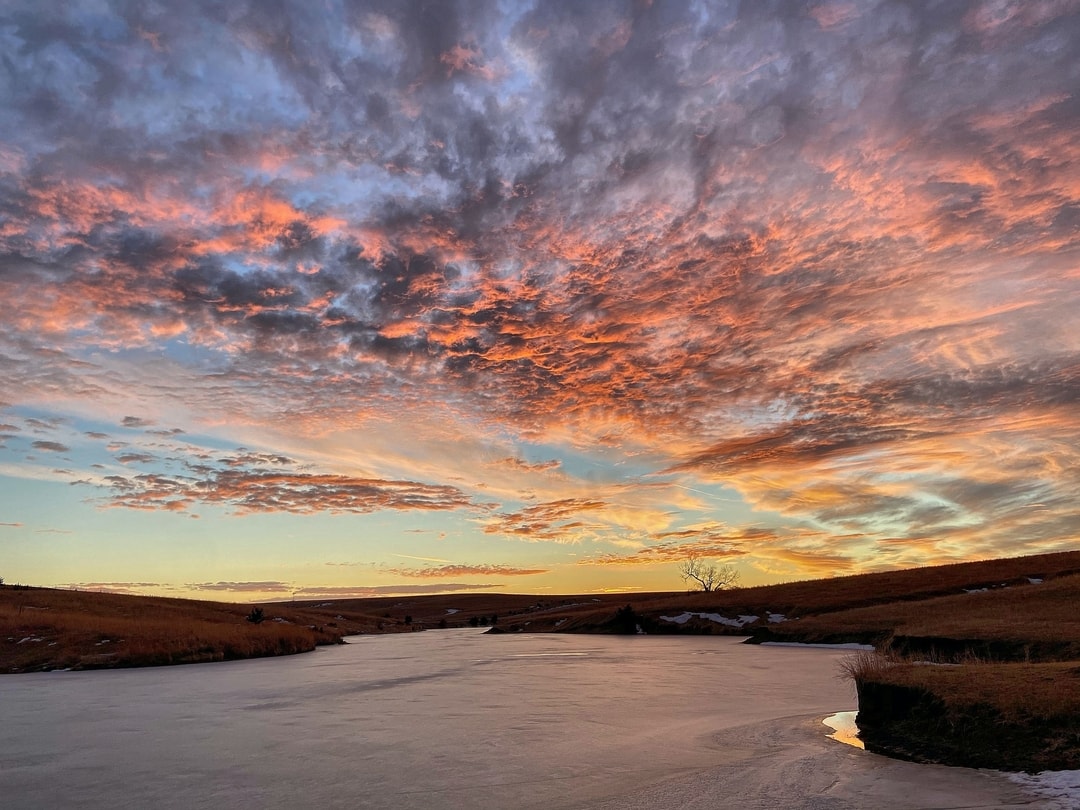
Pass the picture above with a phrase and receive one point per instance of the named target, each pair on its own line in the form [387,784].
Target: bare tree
[708,575]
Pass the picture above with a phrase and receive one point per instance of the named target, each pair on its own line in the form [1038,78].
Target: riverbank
[48,629]
[44,629]
[1018,717]
[986,678]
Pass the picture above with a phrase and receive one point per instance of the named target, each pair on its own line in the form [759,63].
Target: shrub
[865,665]
[626,620]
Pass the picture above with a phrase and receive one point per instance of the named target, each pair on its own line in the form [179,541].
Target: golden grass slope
[54,629]
[1025,621]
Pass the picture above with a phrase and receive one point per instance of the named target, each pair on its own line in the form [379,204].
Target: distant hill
[43,628]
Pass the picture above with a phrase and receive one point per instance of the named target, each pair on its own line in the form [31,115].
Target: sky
[319,299]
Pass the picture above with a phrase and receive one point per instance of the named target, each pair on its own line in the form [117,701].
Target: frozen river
[447,719]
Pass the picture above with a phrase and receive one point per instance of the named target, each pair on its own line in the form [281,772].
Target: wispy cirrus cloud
[462,570]
[130,588]
[363,591]
[266,586]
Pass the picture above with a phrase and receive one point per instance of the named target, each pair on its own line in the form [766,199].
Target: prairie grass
[50,629]
[1036,616]
[865,665]
[1018,692]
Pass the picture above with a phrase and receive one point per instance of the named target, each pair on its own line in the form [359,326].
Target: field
[55,629]
[45,629]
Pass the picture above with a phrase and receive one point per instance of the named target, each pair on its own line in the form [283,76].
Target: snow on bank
[1063,787]
[848,645]
[683,618]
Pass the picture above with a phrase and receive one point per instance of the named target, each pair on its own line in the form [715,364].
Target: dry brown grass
[50,629]
[865,666]
[1031,616]
[866,590]
[1019,692]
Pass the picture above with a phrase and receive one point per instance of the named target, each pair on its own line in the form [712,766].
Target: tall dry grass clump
[865,665]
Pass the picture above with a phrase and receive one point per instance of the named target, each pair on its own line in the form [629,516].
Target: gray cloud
[51,447]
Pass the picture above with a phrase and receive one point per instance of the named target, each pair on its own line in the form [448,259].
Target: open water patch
[844,729]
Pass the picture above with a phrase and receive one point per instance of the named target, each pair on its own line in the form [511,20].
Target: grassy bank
[1027,621]
[42,629]
[987,677]
[1009,716]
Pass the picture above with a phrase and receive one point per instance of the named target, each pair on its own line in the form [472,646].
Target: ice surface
[1061,787]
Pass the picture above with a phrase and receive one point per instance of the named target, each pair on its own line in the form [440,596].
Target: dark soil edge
[913,724]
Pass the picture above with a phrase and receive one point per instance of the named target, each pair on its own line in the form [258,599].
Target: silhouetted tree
[408,620]
[708,575]
[494,619]
[256,615]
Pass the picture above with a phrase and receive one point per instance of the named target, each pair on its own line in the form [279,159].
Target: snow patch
[683,618]
[848,645]
[776,618]
[976,590]
[933,664]
[452,611]
[1035,580]
[1061,786]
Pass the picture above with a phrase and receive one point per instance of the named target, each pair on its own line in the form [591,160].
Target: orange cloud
[444,571]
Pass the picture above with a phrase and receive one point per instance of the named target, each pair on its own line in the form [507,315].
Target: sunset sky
[345,298]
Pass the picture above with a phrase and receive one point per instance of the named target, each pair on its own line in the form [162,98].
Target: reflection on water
[844,729]
[446,718]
